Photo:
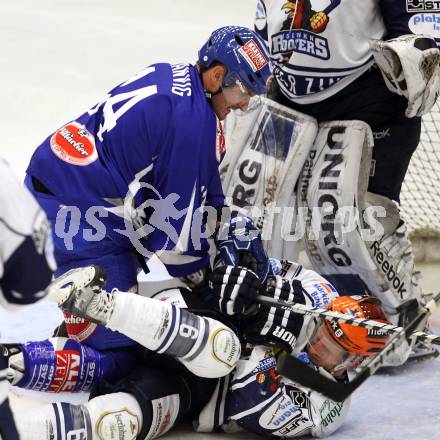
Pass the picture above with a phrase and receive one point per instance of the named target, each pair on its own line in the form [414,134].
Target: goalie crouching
[151,400]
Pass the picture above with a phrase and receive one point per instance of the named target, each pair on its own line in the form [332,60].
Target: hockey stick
[296,370]
[320,312]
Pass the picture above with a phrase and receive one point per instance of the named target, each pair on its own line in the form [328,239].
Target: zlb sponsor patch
[253,55]
[66,371]
[74,144]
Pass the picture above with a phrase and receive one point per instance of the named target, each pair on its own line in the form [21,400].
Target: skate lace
[102,305]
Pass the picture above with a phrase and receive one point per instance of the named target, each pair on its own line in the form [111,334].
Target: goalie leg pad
[371,241]
[64,365]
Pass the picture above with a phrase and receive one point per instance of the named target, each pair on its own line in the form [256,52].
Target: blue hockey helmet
[244,54]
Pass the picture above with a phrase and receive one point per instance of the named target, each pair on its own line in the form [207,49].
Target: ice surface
[57,58]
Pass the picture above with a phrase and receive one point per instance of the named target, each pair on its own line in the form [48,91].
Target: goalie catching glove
[410,67]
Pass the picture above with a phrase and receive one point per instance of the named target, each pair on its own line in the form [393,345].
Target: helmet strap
[210,95]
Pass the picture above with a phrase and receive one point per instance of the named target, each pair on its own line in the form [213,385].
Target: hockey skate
[419,350]
[409,351]
[79,291]
[15,362]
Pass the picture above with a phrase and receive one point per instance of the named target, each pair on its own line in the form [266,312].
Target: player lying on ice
[156,141]
[159,394]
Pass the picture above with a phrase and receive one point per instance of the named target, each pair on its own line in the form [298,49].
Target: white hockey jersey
[26,250]
[318,47]
[257,399]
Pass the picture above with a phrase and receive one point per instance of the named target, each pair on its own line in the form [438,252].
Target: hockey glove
[272,326]
[235,289]
[239,244]
[410,67]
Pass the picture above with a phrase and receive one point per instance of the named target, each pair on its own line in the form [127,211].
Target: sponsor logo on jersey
[428,24]
[164,325]
[266,374]
[72,319]
[253,55]
[280,414]
[78,328]
[66,371]
[90,376]
[330,411]
[325,287]
[121,424]
[300,41]
[299,398]
[321,293]
[165,411]
[266,364]
[165,424]
[260,378]
[74,144]
[422,5]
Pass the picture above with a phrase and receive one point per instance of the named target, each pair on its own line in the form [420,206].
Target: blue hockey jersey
[147,158]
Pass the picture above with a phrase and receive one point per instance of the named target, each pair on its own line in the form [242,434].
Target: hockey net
[420,197]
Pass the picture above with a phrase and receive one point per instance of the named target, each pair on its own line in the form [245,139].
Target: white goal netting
[420,198]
